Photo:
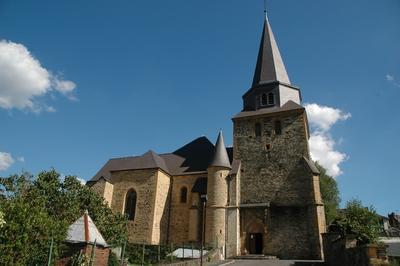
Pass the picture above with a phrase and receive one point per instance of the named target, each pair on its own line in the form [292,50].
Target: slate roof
[191,158]
[311,166]
[235,167]
[200,186]
[220,157]
[269,65]
[76,233]
[288,106]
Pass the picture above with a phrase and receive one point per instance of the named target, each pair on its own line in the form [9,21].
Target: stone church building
[263,194]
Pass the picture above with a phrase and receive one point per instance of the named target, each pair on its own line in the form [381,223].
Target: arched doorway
[255,237]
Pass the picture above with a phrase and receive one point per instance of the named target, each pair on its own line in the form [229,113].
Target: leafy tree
[330,194]
[2,221]
[358,220]
[38,209]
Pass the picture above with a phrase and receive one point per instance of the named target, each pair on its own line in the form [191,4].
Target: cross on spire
[265,9]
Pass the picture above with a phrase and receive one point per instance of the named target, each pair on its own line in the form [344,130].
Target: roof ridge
[157,160]
[125,157]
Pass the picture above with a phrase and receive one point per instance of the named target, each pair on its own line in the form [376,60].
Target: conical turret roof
[270,65]
[220,158]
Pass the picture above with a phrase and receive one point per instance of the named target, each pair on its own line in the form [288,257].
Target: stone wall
[161,209]
[104,189]
[217,193]
[269,162]
[233,233]
[290,234]
[275,176]
[180,212]
[233,216]
[144,182]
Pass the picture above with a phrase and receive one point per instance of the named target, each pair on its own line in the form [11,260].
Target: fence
[142,254]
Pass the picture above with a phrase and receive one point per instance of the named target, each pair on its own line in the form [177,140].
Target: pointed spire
[221,157]
[270,65]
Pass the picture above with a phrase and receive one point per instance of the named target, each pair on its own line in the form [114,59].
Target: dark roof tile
[191,158]
[220,157]
[288,106]
[311,166]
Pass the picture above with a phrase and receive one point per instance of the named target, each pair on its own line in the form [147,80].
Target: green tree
[2,221]
[38,209]
[330,194]
[358,220]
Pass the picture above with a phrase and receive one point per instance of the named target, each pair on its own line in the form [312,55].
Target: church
[261,196]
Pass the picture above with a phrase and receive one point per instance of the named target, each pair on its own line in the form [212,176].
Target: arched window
[271,100]
[257,129]
[278,127]
[264,99]
[183,195]
[130,204]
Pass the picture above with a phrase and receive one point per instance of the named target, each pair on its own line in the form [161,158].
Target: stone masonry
[263,193]
[274,175]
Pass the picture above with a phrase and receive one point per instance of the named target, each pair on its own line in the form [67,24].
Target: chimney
[86,225]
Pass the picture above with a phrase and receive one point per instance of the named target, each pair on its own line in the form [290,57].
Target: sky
[85,81]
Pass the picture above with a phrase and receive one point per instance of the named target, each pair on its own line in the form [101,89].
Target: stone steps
[256,257]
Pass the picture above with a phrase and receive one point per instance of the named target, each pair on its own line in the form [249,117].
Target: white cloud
[322,145]
[83,181]
[21,159]
[389,77]
[324,117]
[23,80]
[6,160]
[392,80]
[322,148]
[66,88]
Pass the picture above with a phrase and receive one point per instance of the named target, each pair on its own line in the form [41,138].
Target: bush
[39,209]
[363,222]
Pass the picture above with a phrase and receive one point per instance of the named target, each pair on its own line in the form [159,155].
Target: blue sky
[128,76]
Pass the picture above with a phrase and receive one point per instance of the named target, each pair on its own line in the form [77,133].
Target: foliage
[79,259]
[2,221]
[330,194]
[38,209]
[363,222]
[113,260]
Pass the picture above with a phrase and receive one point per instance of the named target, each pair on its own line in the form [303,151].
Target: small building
[83,235]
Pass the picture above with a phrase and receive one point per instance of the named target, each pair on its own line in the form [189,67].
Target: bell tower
[281,211]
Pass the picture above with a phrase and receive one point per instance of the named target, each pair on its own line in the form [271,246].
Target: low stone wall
[344,251]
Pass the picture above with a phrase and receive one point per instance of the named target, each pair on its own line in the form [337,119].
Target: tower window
[271,100]
[264,99]
[257,129]
[278,127]
[183,195]
[130,204]
[267,99]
